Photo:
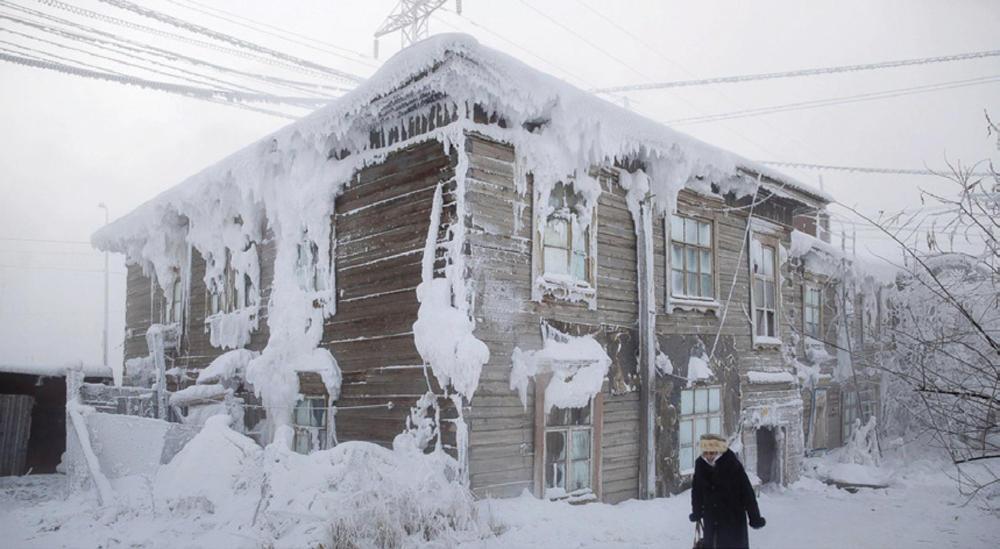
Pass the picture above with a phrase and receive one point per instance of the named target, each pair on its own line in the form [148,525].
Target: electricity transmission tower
[410,18]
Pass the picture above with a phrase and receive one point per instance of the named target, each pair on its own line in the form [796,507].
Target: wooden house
[560,293]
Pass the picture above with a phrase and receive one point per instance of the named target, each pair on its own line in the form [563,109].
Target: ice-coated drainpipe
[647,349]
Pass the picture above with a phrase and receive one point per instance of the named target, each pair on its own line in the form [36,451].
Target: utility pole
[410,18]
[104,335]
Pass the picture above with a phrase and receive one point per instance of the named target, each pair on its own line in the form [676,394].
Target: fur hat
[713,443]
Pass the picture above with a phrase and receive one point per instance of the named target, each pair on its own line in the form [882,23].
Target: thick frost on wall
[284,186]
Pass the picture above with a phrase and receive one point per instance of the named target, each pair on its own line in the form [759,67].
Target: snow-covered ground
[920,508]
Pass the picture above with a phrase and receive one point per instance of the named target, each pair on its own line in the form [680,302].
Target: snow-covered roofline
[489,78]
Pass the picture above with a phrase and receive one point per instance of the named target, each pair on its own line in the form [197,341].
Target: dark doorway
[768,466]
[47,439]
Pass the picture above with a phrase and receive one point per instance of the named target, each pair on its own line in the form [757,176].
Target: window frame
[570,460]
[312,433]
[763,240]
[596,429]
[712,247]
[807,290]
[693,417]
[558,286]
[228,300]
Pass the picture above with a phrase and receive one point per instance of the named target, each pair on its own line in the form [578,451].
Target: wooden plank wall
[679,331]
[381,225]
[499,234]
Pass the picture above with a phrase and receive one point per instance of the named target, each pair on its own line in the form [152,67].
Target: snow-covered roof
[600,131]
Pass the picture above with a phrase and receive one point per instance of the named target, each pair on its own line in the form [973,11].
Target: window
[565,242]
[568,452]
[172,303]
[230,297]
[310,424]
[701,412]
[812,300]
[691,258]
[307,269]
[764,292]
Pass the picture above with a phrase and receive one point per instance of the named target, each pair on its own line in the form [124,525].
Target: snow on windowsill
[686,303]
[567,288]
[763,342]
[765,378]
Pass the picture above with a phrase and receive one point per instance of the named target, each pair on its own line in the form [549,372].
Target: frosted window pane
[556,261]
[704,234]
[677,256]
[768,260]
[713,400]
[769,296]
[690,231]
[581,445]
[302,442]
[581,475]
[579,266]
[700,427]
[706,262]
[714,425]
[678,282]
[686,431]
[686,459]
[692,284]
[579,236]
[676,228]
[758,292]
[700,401]
[687,402]
[707,290]
[692,260]
[302,413]
[557,233]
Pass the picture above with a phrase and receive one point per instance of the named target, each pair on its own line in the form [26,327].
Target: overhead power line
[243,54]
[860,169]
[198,29]
[801,72]
[803,105]
[225,97]
[281,33]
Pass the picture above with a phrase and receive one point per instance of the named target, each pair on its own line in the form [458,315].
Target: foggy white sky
[67,143]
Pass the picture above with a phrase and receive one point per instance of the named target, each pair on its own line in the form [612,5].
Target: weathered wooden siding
[381,225]
[683,332]
[500,238]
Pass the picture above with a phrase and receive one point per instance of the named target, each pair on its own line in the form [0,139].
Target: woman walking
[722,497]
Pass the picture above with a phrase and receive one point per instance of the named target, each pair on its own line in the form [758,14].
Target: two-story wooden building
[580,291]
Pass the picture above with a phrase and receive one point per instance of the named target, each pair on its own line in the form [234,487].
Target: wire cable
[193,41]
[834,101]
[862,169]
[252,24]
[802,72]
[222,37]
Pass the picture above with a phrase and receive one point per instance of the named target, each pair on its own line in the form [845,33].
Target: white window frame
[564,286]
[774,338]
[310,436]
[684,300]
[695,416]
[807,290]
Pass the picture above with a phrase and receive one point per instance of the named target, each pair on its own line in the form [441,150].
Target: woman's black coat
[722,497]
